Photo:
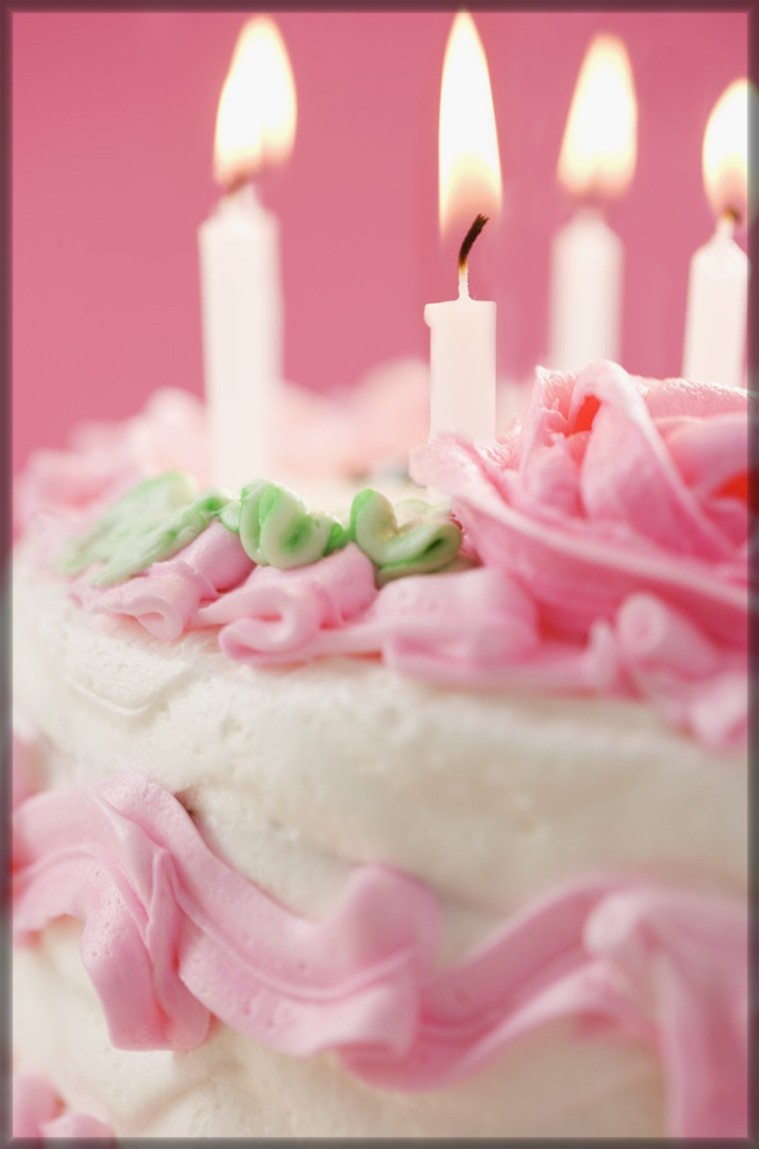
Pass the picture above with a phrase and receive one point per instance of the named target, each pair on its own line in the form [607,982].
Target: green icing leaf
[339,537]
[412,539]
[153,521]
[162,515]
[229,516]
[277,530]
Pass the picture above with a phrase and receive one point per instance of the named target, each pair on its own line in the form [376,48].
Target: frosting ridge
[661,966]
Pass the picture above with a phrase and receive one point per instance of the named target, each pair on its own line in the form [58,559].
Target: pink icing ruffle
[38,1112]
[277,614]
[477,628]
[171,933]
[166,598]
[480,628]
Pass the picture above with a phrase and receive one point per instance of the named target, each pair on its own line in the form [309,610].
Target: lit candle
[462,331]
[715,324]
[241,292]
[596,163]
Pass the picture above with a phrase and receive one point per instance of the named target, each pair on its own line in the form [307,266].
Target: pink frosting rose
[616,488]
[610,487]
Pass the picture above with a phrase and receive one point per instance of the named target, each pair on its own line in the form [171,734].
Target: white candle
[715,322]
[586,291]
[241,291]
[242,333]
[462,362]
[597,162]
[715,325]
[462,331]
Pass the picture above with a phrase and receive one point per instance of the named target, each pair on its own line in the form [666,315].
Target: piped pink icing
[38,1112]
[171,933]
[481,628]
[167,597]
[697,684]
[163,916]
[472,626]
[280,612]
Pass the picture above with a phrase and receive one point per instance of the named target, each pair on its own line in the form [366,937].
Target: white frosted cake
[424,820]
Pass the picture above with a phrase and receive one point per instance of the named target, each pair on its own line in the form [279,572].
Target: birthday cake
[424,818]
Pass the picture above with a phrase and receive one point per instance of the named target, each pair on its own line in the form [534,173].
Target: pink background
[113,120]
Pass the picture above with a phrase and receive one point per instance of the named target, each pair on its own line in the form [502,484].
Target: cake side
[489,798]
[541,750]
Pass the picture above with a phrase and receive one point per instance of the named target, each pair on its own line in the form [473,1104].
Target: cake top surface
[600,547]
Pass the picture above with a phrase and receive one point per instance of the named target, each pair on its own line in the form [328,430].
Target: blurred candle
[715,323]
[462,331]
[596,163]
[241,291]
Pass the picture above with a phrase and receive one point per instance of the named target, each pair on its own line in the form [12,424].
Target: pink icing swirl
[278,613]
[38,1112]
[171,933]
[166,598]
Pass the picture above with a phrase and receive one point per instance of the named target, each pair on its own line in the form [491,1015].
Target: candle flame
[469,164]
[598,151]
[255,123]
[725,152]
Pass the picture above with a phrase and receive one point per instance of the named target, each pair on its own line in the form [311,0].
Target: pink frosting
[166,598]
[38,1112]
[481,628]
[22,770]
[614,488]
[586,504]
[696,683]
[163,917]
[276,615]
[472,628]
[171,933]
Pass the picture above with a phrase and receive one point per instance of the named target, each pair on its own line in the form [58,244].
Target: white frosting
[295,775]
